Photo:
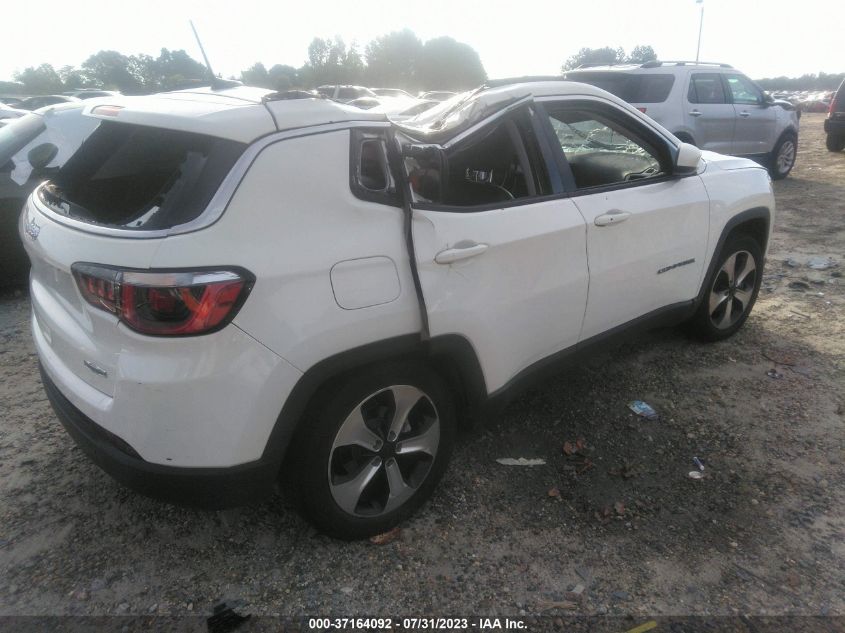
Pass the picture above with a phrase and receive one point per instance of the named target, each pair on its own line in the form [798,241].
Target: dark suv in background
[834,124]
[32,149]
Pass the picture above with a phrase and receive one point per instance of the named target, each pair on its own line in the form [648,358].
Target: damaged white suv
[228,288]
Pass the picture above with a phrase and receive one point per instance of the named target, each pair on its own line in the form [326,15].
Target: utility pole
[700,26]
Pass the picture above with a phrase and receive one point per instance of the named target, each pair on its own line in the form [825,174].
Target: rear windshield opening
[630,87]
[140,177]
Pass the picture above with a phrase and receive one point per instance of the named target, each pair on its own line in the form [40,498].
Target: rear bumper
[211,488]
[834,126]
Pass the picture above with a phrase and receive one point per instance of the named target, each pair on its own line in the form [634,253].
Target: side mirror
[688,159]
[767,100]
[41,155]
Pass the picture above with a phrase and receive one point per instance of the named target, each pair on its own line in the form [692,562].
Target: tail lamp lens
[165,303]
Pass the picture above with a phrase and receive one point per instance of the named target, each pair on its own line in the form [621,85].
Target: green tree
[330,62]
[143,68]
[256,75]
[392,60]
[446,64]
[641,54]
[283,77]
[42,80]
[602,56]
[177,69]
[111,70]
[72,77]
[822,81]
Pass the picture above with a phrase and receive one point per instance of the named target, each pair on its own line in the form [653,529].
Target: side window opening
[370,175]
[706,88]
[602,152]
[743,90]
[497,165]
[372,168]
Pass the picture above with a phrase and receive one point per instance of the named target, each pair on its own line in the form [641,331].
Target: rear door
[646,229]
[756,121]
[708,112]
[502,260]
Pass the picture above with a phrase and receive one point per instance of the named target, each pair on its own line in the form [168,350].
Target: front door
[756,121]
[646,229]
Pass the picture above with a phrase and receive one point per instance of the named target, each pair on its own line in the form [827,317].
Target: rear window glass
[140,177]
[630,87]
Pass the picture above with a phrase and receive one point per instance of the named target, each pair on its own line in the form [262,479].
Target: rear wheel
[782,158]
[731,289]
[835,143]
[374,449]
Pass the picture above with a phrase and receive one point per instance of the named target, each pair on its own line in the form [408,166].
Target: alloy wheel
[786,156]
[732,290]
[383,451]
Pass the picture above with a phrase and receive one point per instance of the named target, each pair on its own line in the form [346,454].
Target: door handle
[463,251]
[695,113]
[612,217]
[744,115]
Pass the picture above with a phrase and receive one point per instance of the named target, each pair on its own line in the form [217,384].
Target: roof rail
[595,65]
[655,63]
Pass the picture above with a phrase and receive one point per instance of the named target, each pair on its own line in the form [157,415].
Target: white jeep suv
[713,106]
[226,288]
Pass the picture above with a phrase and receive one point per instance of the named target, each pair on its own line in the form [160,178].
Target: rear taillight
[832,107]
[170,303]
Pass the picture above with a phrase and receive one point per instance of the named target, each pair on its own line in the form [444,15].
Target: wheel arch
[788,131]
[452,356]
[754,222]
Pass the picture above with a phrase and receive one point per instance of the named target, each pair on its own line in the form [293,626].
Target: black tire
[835,143]
[369,392]
[779,169]
[707,323]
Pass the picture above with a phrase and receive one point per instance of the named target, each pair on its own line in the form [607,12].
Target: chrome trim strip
[176,279]
[222,197]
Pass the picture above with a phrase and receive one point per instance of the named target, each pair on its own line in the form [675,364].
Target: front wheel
[783,156]
[835,143]
[374,449]
[731,289]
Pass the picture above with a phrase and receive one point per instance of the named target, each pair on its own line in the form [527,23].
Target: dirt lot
[762,533]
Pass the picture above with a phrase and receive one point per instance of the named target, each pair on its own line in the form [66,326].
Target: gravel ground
[615,527]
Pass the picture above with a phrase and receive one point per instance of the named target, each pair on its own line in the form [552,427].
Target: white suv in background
[228,288]
[712,106]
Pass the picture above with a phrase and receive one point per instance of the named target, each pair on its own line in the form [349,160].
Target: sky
[763,39]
